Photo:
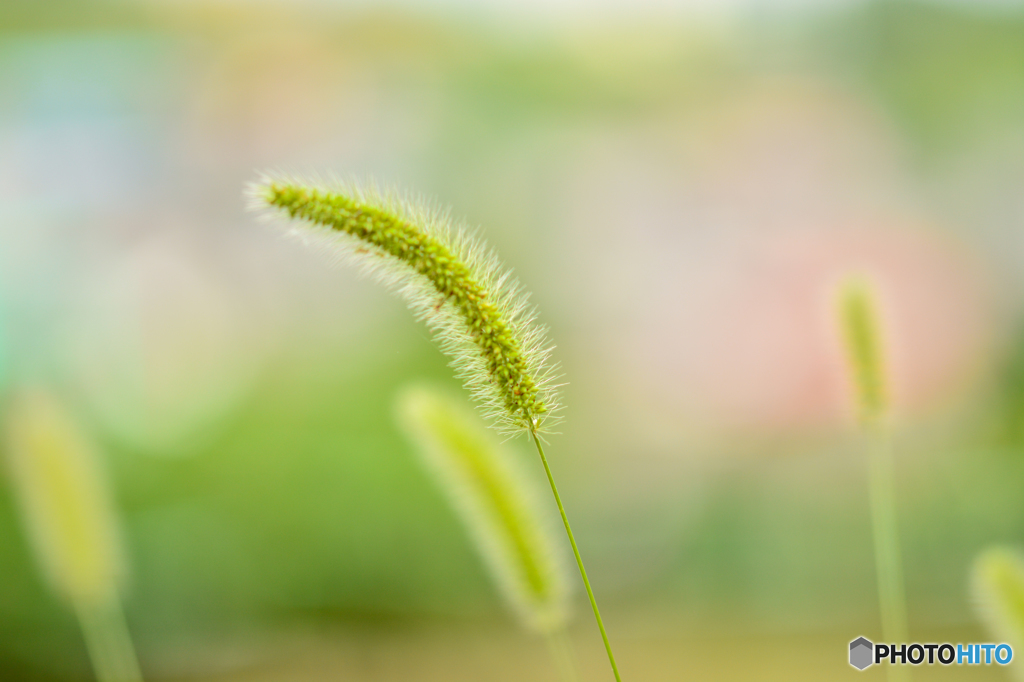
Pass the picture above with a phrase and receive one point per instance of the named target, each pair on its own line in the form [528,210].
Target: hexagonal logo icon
[861,653]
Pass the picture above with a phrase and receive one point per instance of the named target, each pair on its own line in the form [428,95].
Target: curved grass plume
[70,522]
[492,500]
[859,322]
[997,589]
[477,311]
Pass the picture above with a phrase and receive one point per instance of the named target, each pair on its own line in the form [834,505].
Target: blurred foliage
[946,72]
[303,504]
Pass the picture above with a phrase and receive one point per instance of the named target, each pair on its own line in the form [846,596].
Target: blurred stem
[561,653]
[107,639]
[576,552]
[888,564]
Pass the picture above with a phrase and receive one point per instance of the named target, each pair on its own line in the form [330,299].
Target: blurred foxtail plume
[493,501]
[69,518]
[859,320]
[997,591]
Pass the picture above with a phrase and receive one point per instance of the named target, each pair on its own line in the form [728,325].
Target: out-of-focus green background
[679,186]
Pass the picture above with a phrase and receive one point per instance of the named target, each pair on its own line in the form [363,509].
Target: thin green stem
[576,552]
[107,639]
[888,564]
[562,655]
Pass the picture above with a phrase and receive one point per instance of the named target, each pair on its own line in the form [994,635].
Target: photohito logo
[864,653]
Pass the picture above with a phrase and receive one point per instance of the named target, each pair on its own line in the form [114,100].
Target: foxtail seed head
[861,330]
[997,587]
[493,501]
[478,312]
[63,499]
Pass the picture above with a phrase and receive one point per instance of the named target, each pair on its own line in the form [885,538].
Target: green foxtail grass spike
[493,501]
[478,312]
[997,590]
[862,336]
[71,524]
[859,322]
